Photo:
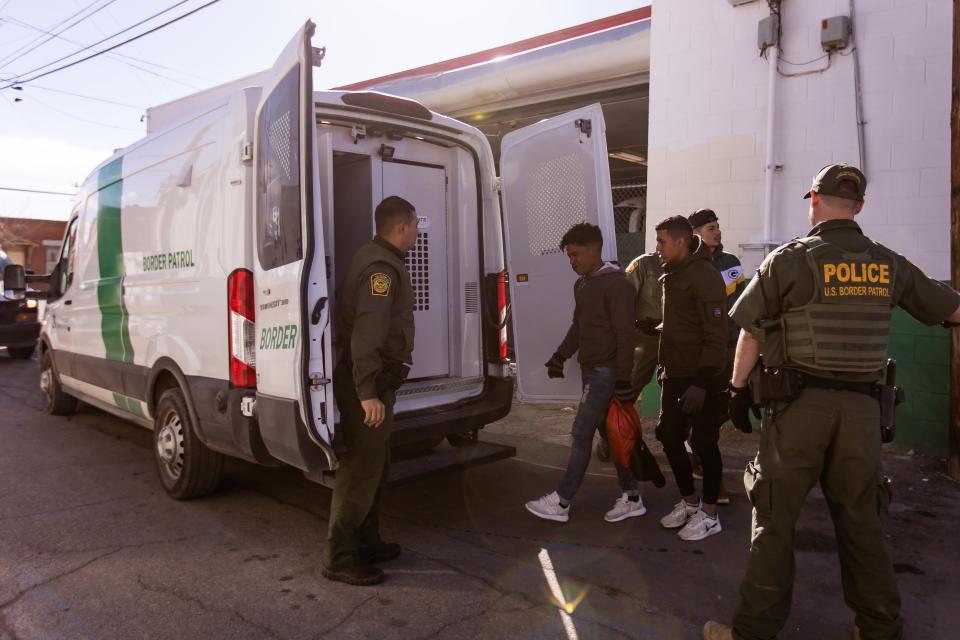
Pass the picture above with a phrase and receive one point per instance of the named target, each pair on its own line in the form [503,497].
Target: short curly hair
[583,234]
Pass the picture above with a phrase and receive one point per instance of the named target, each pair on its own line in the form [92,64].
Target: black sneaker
[384,552]
[359,575]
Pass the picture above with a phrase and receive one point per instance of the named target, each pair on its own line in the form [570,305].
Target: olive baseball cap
[840,180]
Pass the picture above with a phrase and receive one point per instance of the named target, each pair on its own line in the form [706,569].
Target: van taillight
[502,313]
[243,342]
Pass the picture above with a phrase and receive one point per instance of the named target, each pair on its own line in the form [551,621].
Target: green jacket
[374,315]
[693,341]
[644,273]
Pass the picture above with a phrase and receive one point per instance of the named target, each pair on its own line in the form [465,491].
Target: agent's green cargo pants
[644,361]
[832,437]
[355,506]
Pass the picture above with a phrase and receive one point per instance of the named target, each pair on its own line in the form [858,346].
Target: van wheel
[188,469]
[56,401]
[23,353]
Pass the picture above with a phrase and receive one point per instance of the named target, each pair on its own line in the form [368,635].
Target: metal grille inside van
[556,200]
[418,266]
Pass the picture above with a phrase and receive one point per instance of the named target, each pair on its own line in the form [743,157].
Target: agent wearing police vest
[374,322]
[819,312]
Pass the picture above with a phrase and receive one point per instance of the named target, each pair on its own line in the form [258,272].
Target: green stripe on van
[128,404]
[114,320]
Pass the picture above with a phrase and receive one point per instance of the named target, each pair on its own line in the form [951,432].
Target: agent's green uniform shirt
[786,282]
[375,313]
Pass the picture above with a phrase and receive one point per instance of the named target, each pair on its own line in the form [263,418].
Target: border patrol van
[195,289]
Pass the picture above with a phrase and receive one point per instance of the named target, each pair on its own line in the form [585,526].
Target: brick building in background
[33,243]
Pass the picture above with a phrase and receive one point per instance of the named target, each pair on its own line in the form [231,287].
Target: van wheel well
[165,380]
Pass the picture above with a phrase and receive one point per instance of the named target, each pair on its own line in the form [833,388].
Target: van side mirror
[14,278]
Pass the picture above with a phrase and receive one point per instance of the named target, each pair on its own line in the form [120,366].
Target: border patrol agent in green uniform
[819,311]
[644,273]
[375,331]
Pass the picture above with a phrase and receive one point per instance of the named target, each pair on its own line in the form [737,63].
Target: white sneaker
[625,508]
[700,526]
[548,507]
[680,515]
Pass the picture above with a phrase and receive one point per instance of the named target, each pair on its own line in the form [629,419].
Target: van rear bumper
[462,417]
[19,334]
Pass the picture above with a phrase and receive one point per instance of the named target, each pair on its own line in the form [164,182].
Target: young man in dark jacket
[706,225]
[603,334]
[693,354]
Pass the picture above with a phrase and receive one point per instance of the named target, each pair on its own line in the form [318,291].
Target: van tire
[22,353]
[56,401]
[187,468]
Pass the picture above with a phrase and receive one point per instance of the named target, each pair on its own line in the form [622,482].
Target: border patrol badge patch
[380,284]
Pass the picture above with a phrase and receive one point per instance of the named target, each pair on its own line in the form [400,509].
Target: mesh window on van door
[280,240]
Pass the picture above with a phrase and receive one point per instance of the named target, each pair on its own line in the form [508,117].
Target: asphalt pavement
[91,546]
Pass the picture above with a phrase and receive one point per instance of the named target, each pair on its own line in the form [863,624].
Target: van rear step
[443,458]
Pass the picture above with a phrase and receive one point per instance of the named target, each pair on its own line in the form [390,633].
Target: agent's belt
[808,381]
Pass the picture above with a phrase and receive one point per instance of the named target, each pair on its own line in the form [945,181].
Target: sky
[50,140]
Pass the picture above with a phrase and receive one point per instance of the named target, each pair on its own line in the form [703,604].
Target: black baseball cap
[840,180]
[701,217]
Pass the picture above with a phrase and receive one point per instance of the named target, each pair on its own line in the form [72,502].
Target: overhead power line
[101,41]
[52,193]
[85,97]
[22,47]
[111,48]
[66,28]
[115,56]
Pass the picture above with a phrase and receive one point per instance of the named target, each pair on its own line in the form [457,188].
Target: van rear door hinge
[585,125]
[358,132]
[498,184]
[317,380]
[246,152]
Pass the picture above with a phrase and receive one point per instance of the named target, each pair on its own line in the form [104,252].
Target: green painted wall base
[923,370]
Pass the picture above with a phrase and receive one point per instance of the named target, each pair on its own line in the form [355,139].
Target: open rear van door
[293,349]
[554,174]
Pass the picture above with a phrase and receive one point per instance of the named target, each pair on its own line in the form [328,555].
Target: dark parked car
[19,325]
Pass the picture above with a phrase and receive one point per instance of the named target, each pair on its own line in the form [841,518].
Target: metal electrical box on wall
[835,33]
[768,31]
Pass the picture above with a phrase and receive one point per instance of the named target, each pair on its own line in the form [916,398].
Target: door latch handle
[317,310]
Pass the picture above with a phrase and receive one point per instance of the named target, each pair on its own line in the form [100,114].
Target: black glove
[623,391]
[741,404]
[555,366]
[691,401]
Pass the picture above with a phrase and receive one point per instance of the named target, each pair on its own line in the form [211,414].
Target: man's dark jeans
[598,384]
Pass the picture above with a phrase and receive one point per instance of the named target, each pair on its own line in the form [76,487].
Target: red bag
[623,431]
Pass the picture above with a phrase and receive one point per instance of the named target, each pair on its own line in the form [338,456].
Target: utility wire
[52,193]
[85,97]
[51,37]
[101,41]
[70,17]
[116,56]
[116,46]
[81,119]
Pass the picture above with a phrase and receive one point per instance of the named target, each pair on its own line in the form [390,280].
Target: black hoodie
[603,328]
[693,343]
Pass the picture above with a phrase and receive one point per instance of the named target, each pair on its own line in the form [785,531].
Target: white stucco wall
[708,109]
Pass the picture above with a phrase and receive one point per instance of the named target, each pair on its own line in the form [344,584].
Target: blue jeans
[598,386]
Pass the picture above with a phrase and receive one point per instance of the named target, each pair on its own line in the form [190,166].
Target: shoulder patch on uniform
[633,265]
[380,284]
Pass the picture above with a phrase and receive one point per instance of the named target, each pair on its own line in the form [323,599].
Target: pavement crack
[72,507]
[16,598]
[136,545]
[343,619]
[462,619]
[173,592]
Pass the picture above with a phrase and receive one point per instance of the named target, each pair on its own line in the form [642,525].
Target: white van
[195,290]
